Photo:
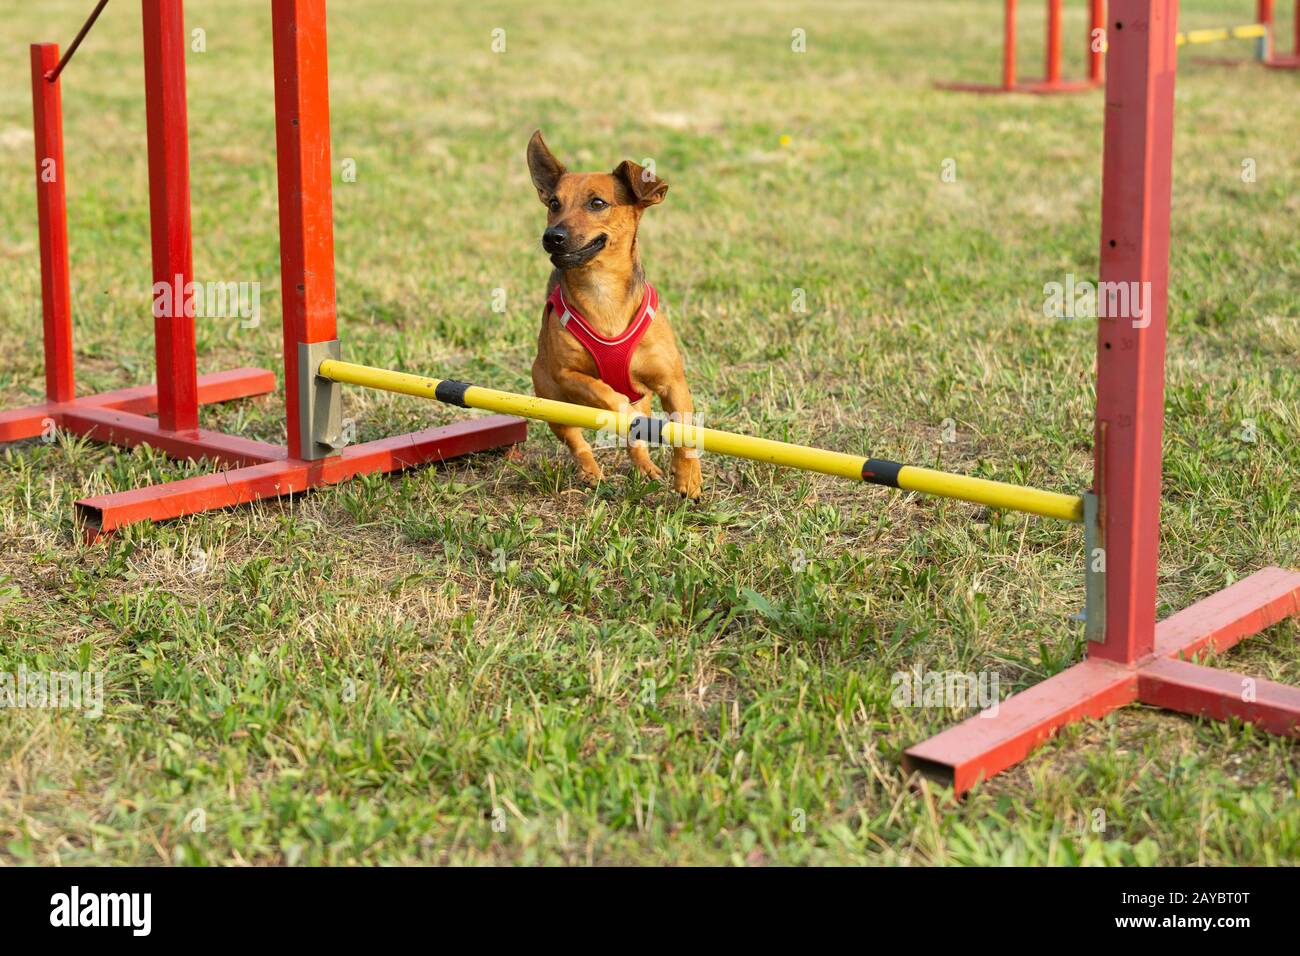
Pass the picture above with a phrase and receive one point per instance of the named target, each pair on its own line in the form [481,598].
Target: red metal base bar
[270,473]
[982,746]
[1284,63]
[260,470]
[1035,87]
[138,401]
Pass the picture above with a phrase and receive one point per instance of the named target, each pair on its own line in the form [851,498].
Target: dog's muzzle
[571,260]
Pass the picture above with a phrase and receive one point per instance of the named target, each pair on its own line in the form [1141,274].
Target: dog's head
[590,216]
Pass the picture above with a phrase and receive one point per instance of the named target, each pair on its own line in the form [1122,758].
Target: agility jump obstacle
[1271,58]
[1130,657]
[1051,81]
[123,417]
[1261,31]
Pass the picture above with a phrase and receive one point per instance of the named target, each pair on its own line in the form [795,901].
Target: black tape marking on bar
[648,430]
[451,392]
[878,471]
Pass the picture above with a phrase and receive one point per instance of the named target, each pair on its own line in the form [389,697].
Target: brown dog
[603,343]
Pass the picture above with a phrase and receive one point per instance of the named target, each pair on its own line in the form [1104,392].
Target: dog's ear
[546,170]
[648,188]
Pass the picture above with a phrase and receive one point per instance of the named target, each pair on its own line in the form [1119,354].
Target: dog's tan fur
[607,289]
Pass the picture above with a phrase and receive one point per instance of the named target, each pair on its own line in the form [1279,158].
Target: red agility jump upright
[1135,658]
[1051,81]
[180,391]
[124,417]
[1266,15]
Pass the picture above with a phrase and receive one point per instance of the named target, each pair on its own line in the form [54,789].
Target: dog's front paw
[589,470]
[642,462]
[687,480]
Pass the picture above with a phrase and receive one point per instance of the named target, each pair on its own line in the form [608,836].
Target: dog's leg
[639,452]
[588,468]
[676,398]
[571,386]
[544,386]
[594,392]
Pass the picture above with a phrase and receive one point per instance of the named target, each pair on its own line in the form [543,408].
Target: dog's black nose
[553,239]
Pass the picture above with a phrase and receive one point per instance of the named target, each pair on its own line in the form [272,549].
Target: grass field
[488,662]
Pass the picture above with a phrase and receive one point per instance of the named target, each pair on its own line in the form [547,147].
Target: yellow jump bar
[658,431]
[1247,32]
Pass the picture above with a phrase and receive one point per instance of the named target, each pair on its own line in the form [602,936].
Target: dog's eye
[597,203]
[554,204]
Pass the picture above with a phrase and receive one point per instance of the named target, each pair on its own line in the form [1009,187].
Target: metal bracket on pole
[320,402]
[1094,570]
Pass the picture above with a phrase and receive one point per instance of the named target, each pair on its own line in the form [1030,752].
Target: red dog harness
[613,357]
